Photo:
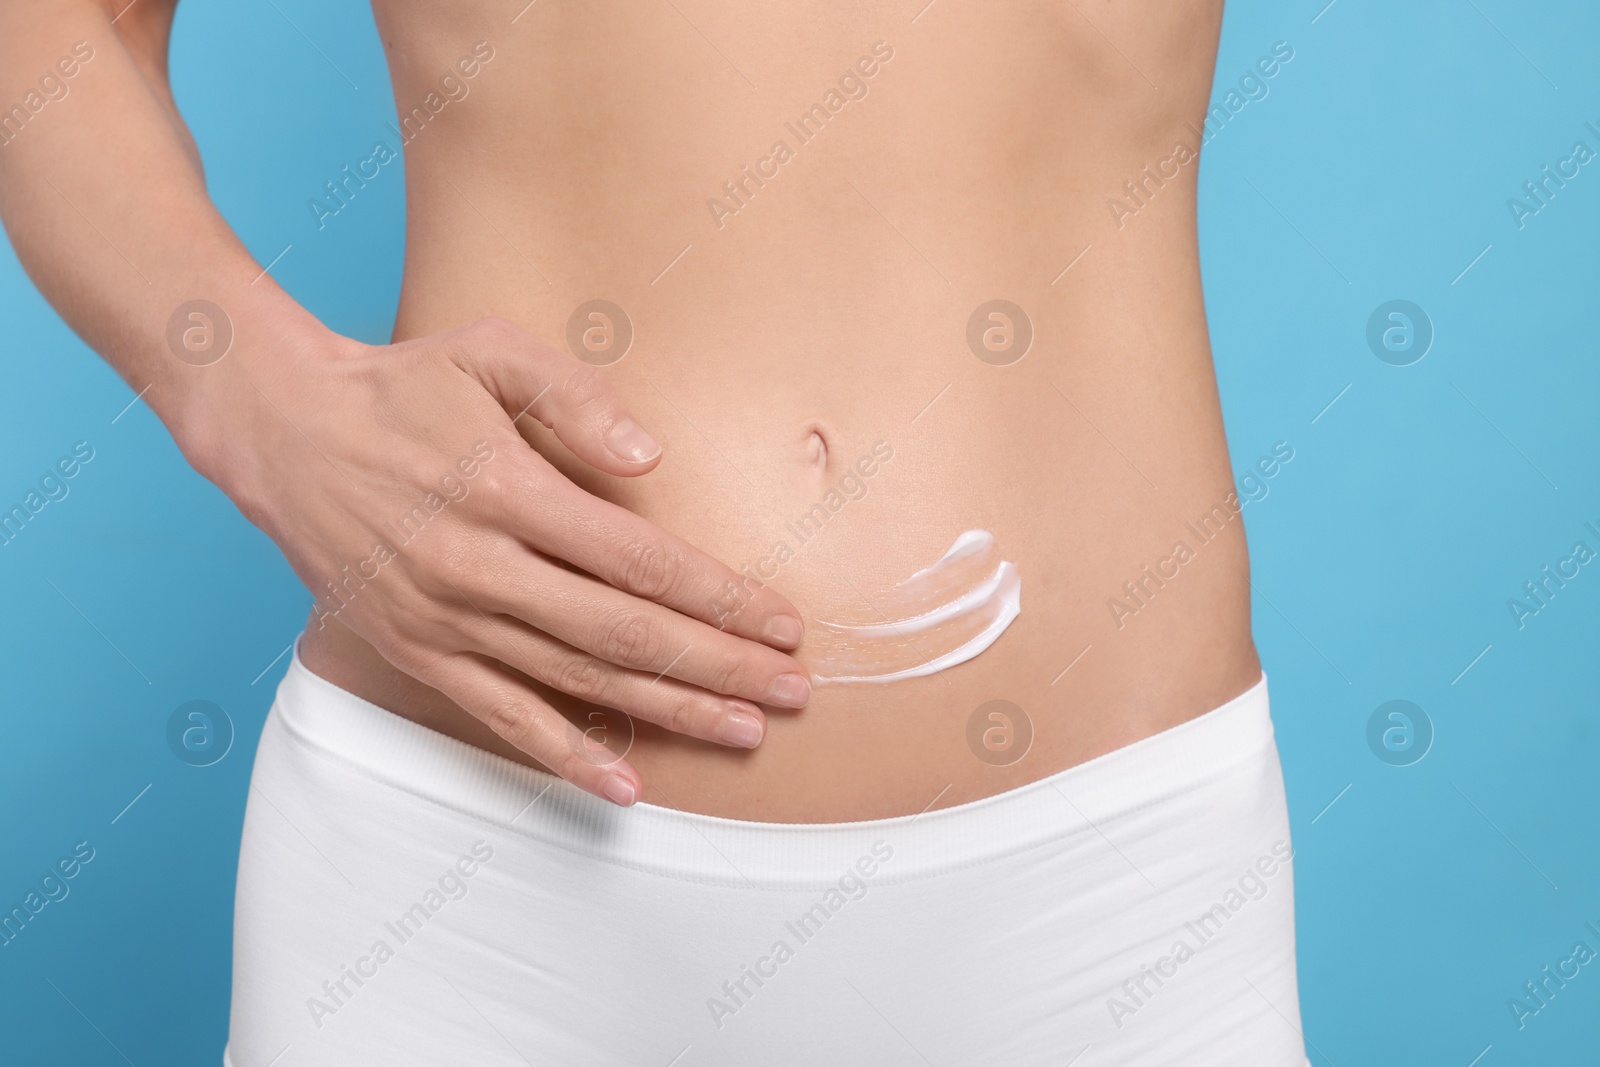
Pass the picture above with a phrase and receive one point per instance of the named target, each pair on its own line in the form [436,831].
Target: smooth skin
[811,329]
[318,438]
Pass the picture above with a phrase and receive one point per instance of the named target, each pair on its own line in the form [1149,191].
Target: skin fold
[796,318]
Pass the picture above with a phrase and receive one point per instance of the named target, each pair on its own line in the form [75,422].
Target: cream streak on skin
[940,616]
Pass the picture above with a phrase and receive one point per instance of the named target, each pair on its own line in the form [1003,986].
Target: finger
[580,405]
[515,712]
[619,628]
[681,708]
[638,557]
[575,400]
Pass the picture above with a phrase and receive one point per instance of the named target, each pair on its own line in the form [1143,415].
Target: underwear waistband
[517,799]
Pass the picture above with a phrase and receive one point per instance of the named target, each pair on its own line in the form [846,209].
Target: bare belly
[802,343]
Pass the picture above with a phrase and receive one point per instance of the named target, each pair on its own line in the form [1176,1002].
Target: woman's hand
[394,480]
[392,477]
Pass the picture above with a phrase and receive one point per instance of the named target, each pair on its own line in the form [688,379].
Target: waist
[1228,749]
[1121,632]
[835,411]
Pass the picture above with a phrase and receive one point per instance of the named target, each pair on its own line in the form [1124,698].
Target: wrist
[225,360]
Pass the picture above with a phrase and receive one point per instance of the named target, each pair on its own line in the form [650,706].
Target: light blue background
[1378,167]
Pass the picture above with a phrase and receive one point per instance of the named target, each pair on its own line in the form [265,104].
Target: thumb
[569,397]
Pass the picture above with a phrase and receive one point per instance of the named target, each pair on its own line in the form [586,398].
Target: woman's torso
[628,152]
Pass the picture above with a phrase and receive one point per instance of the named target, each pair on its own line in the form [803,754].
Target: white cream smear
[940,616]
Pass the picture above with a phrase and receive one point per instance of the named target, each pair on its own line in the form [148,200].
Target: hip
[406,896]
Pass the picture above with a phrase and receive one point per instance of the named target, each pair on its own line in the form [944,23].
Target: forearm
[347,455]
[106,206]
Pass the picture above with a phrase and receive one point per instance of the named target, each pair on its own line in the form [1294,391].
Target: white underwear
[405,898]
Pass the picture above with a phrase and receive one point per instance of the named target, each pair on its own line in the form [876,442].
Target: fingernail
[740,729]
[619,790]
[789,690]
[628,441]
[782,630]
